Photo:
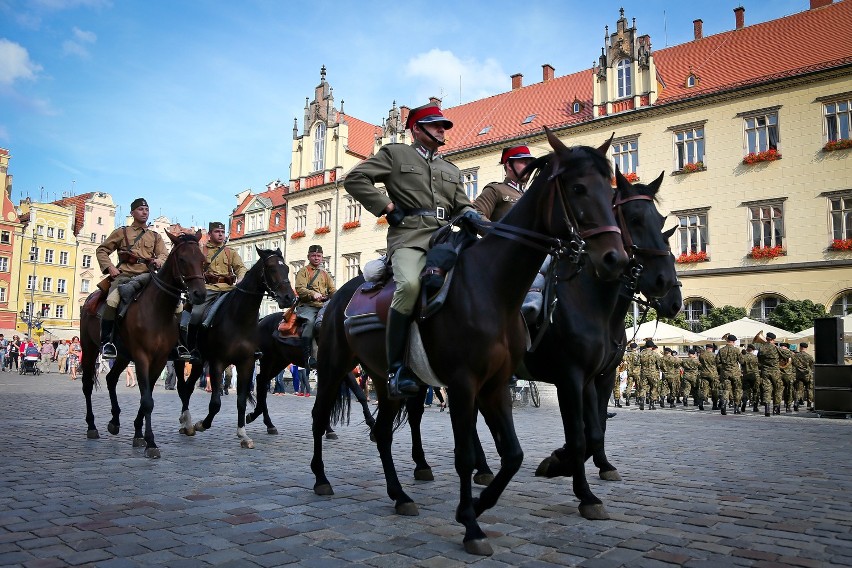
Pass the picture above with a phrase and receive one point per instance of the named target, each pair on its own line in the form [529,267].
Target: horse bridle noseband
[634,267]
[168,288]
[268,289]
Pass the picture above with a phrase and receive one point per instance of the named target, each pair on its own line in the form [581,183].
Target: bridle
[268,289]
[170,289]
[634,267]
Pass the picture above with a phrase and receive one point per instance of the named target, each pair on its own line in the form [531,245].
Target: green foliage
[721,316]
[796,315]
[628,319]
[678,321]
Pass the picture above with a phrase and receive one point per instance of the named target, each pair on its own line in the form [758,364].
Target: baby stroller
[29,364]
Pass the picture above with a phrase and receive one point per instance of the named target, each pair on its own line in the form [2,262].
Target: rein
[170,289]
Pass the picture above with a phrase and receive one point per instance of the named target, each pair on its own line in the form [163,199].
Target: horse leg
[244,375]
[118,367]
[483,475]
[414,408]
[596,435]
[185,388]
[146,404]
[88,384]
[383,432]
[355,388]
[261,408]
[215,399]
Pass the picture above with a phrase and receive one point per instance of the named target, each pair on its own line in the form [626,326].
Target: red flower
[841,244]
[691,257]
[691,168]
[768,156]
[351,225]
[297,235]
[842,144]
[767,252]
[322,230]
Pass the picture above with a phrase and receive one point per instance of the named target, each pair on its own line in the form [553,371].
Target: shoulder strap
[217,254]
[136,240]
[314,277]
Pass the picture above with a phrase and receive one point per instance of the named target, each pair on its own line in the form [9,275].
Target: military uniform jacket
[690,368]
[497,199]
[768,356]
[323,284]
[785,362]
[804,365]
[412,181]
[671,367]
[651,363]
[749,364]
[227,263]
[148,246]
[728,361]
[707,365]
[633,365]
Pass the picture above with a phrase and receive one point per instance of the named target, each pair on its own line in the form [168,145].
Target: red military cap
[425,114]
[514,153]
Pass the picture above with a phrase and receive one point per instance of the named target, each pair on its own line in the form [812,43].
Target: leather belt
[438,212]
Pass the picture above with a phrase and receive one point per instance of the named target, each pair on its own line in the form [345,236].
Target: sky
[188,103]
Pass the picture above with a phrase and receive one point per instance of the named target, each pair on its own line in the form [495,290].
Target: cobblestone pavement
[699,489]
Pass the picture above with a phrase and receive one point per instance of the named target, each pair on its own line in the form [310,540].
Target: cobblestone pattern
[699,490]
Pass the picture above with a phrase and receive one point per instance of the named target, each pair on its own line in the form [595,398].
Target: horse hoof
[543,469]
[594,512]
[324,490]
[92,434]
[139,443]
[112,428]
[478,546]
[153,453]
[273,431]
[407,509]
[247,444]
[331,436]
[611,475]
[483,478]
[188,431]
[424,475]
[199,427]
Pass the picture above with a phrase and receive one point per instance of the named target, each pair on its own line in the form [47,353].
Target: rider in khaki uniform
[689,380]
[804,365]
[751,379]
[314,286]
[498,198]
[423,192]
[728,363]
[223,268]
[708,377]
[651,364]
[138,250]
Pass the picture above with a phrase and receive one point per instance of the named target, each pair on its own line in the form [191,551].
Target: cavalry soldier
[649,375]
[751,378]
[768,361]
[671,378]
[689,379]
[728,363]
[423,192]
[788,373]
[708,378]
[804,365]
[223,268]
[139,249]
[314,286]
[498,198]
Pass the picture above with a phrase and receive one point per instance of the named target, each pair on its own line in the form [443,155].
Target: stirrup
[183,353]
[108,350]
[400,384]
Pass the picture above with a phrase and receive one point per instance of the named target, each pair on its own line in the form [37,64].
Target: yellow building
[47,272]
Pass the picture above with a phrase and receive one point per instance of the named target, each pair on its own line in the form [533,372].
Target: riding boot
[182,350]
[723,406]
[307,351]
[618,403]
[766,409]
[108,350]
[715,404]
[402,382]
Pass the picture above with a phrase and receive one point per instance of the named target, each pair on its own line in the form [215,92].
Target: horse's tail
[341,409]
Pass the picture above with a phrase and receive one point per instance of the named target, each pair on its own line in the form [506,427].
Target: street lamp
[32,320]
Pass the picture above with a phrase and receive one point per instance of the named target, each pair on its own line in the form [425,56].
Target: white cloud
[442,73]
[15,63]
[4,134]
[84,36]
[77,46]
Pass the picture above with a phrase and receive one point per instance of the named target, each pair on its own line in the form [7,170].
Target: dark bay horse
[232,339]
[479,333]
[585,342]
[147,333]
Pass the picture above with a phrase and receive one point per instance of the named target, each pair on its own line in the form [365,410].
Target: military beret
[803,345]
[750,347]
[770,335]
[708,346]
[216,225]
[731,337]
[426,114]
[633,346]
[138,202]
[649,343]
[314,248]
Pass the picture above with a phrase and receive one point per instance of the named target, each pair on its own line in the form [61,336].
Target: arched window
[764,306]
[625,84]
[842,305]
[576,108]
[319,147]
[690,81]
[693,309]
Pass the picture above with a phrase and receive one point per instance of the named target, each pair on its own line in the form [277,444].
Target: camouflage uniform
[728,361]
[633,369]
[804,365]
[788,375]
[650,362]
[770,375]
[751,378]
[690,377]
[671,378]
[708,378]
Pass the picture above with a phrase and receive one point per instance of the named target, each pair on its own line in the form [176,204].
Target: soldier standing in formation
[671,378]
[804,365]
[751,378]
[649,375]
[497,198]
[708,377]
[631,358]
[728,364]
[768,361]
[314,286]
[689,380]
[788,374]
[138,250]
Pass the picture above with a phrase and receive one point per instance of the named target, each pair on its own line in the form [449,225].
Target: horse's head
[642,230]
[580,203]
[185,265]
[276,277]
[670,304]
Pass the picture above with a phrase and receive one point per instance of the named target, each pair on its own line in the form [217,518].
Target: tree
[796,315]
[721,316]
[628,319]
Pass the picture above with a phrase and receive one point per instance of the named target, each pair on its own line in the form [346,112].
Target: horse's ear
[654,186]
[259,250]
[198,235]
[604,148]
[172,237]
[555,143]
[620,181]
[670,232]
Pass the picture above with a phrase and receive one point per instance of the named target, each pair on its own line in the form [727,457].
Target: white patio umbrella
[808,334]
[664,334]
[745,329]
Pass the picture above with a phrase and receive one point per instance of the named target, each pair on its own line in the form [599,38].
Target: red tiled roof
[278,199]
[362,135]
[809,41]
[79,204]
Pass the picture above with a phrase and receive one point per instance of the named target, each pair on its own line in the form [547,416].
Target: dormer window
[691,81]
[529,119]
[484,130]
[239,226]
[319,147]
[625,83]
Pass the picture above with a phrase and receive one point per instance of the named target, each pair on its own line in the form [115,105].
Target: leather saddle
[93,303]
[368,308]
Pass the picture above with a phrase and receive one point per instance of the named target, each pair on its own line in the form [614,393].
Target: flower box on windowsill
[767,252]
[841,245]
[757,157]
[382,220]
[629,176]
[692,257]
[322,230]
[297,235]
[351,225]
[691,168]
[833,145]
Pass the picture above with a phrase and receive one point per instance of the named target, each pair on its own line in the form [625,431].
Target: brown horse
[232,339]
[479,333]
[146,334]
